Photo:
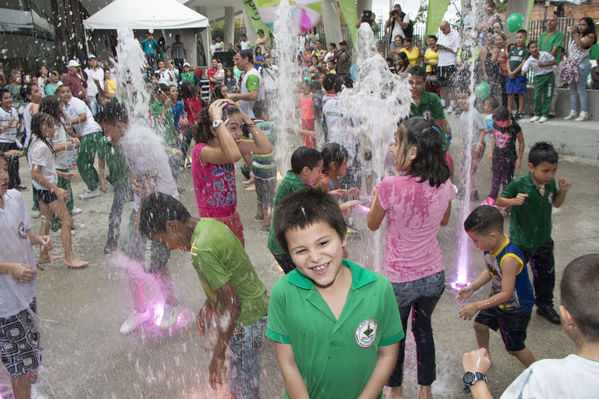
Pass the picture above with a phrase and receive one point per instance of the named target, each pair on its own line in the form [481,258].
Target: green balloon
[594,55]
[483,90]
[515,21]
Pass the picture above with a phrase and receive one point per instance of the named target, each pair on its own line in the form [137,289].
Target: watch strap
[478,376]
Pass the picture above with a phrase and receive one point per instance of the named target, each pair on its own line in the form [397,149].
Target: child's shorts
[446,75]
[265,191]
[45,196]
[20,342]
[153,255]
[515,86]
[511,325]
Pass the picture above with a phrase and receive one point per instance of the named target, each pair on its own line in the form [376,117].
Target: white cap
[186,64]
[73,63]
[89,57]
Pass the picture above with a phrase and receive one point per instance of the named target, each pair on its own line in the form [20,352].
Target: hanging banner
[257,23]
[434,16]
[350,14]
[305,14]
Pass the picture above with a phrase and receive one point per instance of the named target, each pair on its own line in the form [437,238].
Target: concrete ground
[81,310]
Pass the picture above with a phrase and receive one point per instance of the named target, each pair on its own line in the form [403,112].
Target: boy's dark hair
[304,208]
[26,91]
[501,114]
[304,157]
[333,152]
[260,108]
[51,106]
[522,31]
[579,289]
[334,45]
[530,43]
[157,209]
[418,71]
[484,220]
[246,54]
[315,85]
[329,82]
[432,37]
[112,113]
[188,90]
[542,152]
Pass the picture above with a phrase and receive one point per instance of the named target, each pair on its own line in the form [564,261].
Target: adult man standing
[343,60]
[551,42]
[74,79]
[245,43]
[149,45]
[178,53]
[399,22]
[95,79]
[252,87]
[449,42]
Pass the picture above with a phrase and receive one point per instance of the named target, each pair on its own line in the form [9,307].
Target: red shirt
[210,72]
[193,107]
[76,85]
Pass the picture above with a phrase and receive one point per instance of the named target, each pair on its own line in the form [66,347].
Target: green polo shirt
[115,162]
[432,103]
[547,42]
[219,257]
[335,357]
[166,128]
[290,184]
[530,223]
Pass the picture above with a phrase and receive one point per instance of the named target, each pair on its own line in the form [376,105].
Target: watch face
[469,377]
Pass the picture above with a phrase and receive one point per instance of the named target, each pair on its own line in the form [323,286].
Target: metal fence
[538,27]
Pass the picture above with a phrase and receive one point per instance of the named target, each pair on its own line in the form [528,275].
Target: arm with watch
[476,365]
[227,150]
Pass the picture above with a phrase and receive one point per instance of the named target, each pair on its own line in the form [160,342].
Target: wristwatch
[217,123]
[470,378]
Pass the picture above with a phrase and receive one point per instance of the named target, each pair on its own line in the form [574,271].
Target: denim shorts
[512,326]
[245,360]
[20,342]
[516,85]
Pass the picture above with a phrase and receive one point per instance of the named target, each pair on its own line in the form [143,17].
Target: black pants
[542,264]
[13,165]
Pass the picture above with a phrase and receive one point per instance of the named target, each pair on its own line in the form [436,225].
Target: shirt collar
[505,243]
[360,276]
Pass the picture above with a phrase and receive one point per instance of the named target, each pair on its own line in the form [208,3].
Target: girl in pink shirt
[219,145]
[417,204]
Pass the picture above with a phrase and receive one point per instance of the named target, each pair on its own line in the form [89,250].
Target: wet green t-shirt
[219,257]
[115,162]
[165,128]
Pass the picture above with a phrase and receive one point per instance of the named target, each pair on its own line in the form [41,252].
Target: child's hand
[518,164]
[353,192]
[564,184]
[491,156]
[519,199]
[477,360]
[71,176]
[23,273]
[74,141]
[204,317]
[468,311]
[45,243]
[61,193]
[464,293]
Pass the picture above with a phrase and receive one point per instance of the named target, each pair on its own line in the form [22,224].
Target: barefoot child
[335,324]
[52,199]
[235,295]
[509,306]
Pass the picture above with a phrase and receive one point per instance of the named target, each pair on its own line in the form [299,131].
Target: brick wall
[588,8]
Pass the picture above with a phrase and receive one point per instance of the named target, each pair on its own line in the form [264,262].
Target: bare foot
[75,263]
[394,393]
[424,392]
[248,181]
[251,187]
[42,260]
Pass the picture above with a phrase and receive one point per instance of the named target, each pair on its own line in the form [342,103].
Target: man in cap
[74,79]
[95,82]
[343,59]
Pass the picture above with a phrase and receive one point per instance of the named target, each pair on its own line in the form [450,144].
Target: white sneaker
[450,109]
[76,211]
[571,115]
[37,392]
[169,319]
[35,214]
[89,194]
[535,118]
[584,116]
[543,119]
[134,320]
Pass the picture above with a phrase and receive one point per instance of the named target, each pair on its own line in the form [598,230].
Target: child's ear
[412,153]
[531,167]
[568,321]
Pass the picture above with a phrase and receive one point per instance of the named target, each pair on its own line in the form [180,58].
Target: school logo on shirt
[366,333]
[21,231]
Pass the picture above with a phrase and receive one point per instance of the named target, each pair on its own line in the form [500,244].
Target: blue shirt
[178,111]
[149,46]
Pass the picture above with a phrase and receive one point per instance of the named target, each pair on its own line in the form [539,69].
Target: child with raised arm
[509,306]
[541,63]
[334,323]
[532,198]
[19,335]
[236,297]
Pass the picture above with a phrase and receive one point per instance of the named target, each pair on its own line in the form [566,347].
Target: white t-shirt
[39,154]
[397,29]
[328,55]
[60,138]
[338,124]
[572,377]
[76,107]
[15,222]
[27,123]
[92,74]
[245,45]
[145,156]
[452,41]
[247,106]
[533,63]
[9,135]
[168,78]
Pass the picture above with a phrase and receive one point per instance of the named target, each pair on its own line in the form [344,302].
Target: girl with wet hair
[335,157]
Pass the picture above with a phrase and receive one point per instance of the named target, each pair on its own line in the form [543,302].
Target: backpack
[409,31]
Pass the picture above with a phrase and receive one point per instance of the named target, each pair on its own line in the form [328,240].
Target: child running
[509,306]
[52,199]
[335,324]
[19,335]
[218,147]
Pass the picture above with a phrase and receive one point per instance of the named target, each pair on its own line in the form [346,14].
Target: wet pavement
[81,310]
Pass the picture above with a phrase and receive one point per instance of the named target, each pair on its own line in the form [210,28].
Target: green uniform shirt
[219,257]
[115,161]
[516,57]
[187,77]
[548,41]
[290,184]
[430,102]
[530,223]
[335,357]
[166,128]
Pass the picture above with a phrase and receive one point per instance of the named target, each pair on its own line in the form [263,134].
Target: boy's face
[160,65]
[310,176]
[317,251]
[485,243]
[6,100]
[533,49]
[173,93]
[3,177]
[487,107]
[463,101]
[520,39]
[417,84]
[543,173]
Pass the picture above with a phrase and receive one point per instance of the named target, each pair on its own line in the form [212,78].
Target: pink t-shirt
[414,214]
[214,186]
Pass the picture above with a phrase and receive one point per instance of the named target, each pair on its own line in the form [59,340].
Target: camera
[367,16]
[394,12]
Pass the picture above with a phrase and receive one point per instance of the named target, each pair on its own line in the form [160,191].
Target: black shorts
[446,75]
[45,196]
[511,325]
[20,342]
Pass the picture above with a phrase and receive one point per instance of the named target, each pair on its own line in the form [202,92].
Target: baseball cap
[186,64]
[89,57]
[73,63]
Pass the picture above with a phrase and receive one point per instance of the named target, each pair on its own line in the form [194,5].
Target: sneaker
[584,116]
[519,115]
[543,119]
[37,391]
[36,214]
[111,246]
[88,194]
[547,312]
[489,201]
[450,109]
[134,320]
[76,211]
[571,115]
[169,319]
[535,118]
[23,188]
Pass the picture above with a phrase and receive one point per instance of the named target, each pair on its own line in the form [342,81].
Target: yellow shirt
[412,55]
[431,56]
[110,86]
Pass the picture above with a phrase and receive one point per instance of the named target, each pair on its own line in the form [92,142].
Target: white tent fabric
[146,14]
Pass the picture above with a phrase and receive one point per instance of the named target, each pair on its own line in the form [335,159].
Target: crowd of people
[356,315]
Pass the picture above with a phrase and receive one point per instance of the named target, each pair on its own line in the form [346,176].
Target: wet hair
[3,92]
[590,29]
[347,81]
[484,220]
[333,152]
[429,163]
[432,37]
[202,130]
[578,291]
[542,151]
[157,209]
[246,54]
[305,208]
[523,31]
[37,121]
[501,114]
[315,85]
[304,157]
[218,95]
[260,31]
[26,91]
[418,71]
[112,113]
[188,90]
[530,44]
[260,107]
[51,106]
[331,82]
[403,56]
